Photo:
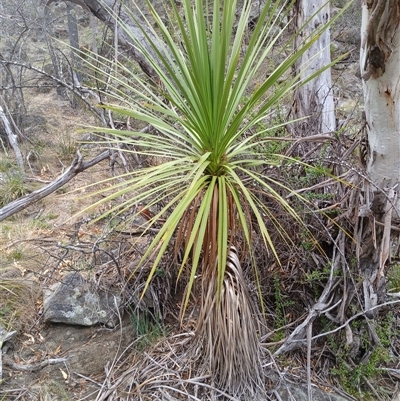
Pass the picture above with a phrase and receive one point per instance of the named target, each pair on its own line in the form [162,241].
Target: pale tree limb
[298,337]
[74,169]
[18,132]
[309,336]
[299,334]
[12,139]
[384,253]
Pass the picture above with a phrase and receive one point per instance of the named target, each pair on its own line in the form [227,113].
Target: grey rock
[5,335]
[299,393]
[73,302]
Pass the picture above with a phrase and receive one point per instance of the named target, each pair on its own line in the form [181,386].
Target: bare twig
[309,336]
[31,367]
[321,306]
[362,313]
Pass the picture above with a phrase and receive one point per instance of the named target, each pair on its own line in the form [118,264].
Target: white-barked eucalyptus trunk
[314,99]
[380,71]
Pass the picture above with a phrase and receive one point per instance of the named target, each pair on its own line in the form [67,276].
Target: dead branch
[76,167]
[298,336]
[33,366]
[322,306]
[12,139]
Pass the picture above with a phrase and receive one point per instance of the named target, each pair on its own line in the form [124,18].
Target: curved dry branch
[74,169]
[100,9]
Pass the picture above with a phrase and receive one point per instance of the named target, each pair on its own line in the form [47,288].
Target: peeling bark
[381,22]
[380,70]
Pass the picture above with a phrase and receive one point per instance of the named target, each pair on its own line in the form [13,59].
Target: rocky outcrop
[73,302]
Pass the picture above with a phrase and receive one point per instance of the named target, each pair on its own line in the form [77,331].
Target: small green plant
[316,278]
[67,147]
[355,373]
[15,255]
[52,216]
[317,275]
[313,174]
[5,166]
[12,187]
[148,328]
[353,378]
[307,242]
[5,229]
[393,277]
[281,303]
[43,222]
[4,312]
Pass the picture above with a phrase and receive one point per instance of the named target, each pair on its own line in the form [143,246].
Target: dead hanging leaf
[57,351]
[39,303]
[64,375]
[31,339]
[65,264]
[349,335]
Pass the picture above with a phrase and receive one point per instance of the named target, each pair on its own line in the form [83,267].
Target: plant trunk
[314,100]
[74,43]
[55,60]
[379,63]
[73,39]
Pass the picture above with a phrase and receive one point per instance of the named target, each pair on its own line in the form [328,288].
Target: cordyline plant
[212,97]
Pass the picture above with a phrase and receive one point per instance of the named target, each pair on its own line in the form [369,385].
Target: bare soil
[89,352]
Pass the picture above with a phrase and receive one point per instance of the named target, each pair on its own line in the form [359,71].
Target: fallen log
[77,166]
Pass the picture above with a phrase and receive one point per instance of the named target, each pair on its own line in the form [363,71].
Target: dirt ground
[88,353]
